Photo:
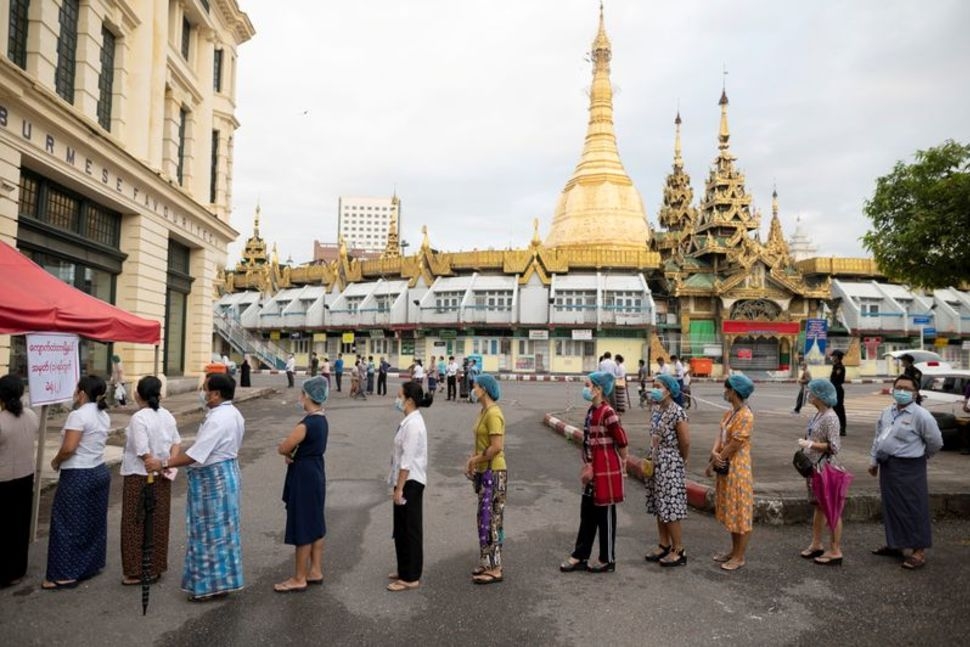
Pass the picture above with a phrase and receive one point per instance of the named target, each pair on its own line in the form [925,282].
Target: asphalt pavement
[776,599]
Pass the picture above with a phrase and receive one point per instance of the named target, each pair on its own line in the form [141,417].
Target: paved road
[777,599]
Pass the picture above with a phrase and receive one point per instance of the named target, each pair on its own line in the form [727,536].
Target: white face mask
[203,399]
[399,404]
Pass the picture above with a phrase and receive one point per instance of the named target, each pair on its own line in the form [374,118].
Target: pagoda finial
[678,157]
[724,135]
[536,241]
[774,201]
[425,242]
[256,221]
[393,247]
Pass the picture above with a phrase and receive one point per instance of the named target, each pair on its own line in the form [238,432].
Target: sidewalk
[780,493]
[184,406]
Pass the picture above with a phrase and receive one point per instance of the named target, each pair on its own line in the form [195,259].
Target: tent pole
[38,472]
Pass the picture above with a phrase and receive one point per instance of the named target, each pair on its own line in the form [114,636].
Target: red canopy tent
[35,300]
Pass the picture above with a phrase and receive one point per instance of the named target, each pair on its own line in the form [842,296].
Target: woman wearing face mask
[906,435]
[408,477]
[822,442]
[77,548]
[731,460]
[667,488]
[604,468]
[487,469]
[305,488]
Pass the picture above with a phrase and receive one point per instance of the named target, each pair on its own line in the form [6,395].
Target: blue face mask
[399,404]
[473,396]
[587,394]
[902,397]
[657,394]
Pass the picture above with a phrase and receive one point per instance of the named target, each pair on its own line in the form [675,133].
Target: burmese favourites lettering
[85,164]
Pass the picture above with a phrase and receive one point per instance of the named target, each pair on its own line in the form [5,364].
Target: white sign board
[583,334]
[53,369]
[539,334]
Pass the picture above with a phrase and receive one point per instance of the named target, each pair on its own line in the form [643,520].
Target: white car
[943,391]
[922,359]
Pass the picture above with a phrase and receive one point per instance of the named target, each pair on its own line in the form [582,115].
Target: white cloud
[475,110]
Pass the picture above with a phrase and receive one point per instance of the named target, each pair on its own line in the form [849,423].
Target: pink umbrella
[831,485]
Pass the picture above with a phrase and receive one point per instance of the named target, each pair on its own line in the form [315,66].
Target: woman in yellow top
[486,467]
[731,461]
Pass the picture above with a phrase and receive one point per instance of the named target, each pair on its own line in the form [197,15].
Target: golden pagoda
[599,205]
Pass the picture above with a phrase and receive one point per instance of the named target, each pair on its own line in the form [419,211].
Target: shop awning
[36,301]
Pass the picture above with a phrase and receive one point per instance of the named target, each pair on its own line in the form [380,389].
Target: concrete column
[42,32]
[204,265]
[87,73]
[140,289]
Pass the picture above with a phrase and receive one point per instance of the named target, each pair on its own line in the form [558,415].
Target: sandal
[913,562]
[400,585]
[478,570]
[721,558]
[676,558]
[886,551]
[812,553]
[487,578]
[47,585]
[283,587]
[828,561]
[731,565]
[317,582]
[658,555]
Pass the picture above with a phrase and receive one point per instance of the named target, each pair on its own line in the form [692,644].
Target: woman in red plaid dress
[604,469]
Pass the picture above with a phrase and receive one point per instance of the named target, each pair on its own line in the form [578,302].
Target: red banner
[761,327]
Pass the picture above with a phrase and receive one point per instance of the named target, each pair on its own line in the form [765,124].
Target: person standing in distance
[837,378]
[338,369]
[290,370]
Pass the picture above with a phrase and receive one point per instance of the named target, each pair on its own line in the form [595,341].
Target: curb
[784,510]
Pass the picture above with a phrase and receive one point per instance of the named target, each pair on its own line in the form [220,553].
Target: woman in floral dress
[667,488]
[731,461]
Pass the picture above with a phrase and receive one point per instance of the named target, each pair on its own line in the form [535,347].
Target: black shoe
[656,557]
[569,567]
[680,561]
[608,567]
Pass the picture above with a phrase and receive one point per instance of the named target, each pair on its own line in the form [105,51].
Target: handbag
[803,464]
[646,467]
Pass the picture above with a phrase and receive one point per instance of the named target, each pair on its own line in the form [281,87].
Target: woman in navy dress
[305,489]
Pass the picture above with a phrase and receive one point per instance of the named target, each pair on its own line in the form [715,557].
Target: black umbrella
[147,538]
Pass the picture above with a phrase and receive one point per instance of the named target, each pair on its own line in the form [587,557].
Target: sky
[474,111]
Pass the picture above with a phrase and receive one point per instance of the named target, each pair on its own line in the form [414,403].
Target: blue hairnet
[741,384]
[603,380]
[670,382]
[490,384]
[317,389]
[823,390]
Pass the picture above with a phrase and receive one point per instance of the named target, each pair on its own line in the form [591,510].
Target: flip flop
[478,570]
[731,566]
[283,587]
[487,578]
[314,582]
[56,586]
[886,551]
[828,561]
[913,562]
[812,553]
[400,585]
[720,558]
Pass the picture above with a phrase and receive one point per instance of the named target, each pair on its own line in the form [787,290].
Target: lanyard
[728,424]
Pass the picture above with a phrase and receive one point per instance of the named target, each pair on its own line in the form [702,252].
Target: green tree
[920,217]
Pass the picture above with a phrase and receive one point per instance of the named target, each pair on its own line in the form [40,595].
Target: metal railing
[244,342]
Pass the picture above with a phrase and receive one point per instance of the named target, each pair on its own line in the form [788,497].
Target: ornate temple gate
[759,345]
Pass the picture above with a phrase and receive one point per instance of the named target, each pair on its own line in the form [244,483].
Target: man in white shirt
[213,554]
[451,372]
[663,368]
[290,370]
[607,365]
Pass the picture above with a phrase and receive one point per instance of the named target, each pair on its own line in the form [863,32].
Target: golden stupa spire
[678,153]
[599,204]
[425,242]
[724,134]
[256,221]
[776,238]
[393,247]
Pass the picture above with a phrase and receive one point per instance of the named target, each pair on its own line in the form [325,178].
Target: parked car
[922,359]
[943,392]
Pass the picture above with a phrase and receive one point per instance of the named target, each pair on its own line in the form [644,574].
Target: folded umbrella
[830,483]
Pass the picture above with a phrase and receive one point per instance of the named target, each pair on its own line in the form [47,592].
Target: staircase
[243,341]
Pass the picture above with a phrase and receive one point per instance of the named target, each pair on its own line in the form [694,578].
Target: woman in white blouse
[151,433]
[77,547]
[408,476]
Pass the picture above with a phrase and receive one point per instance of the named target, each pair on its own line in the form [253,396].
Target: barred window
[217,70]
[17,40]
[62,210]
[214,167]
[178,257]
[186,36]
[29,188]
[180,170]
[107,78]
[66,50]
[101,225]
